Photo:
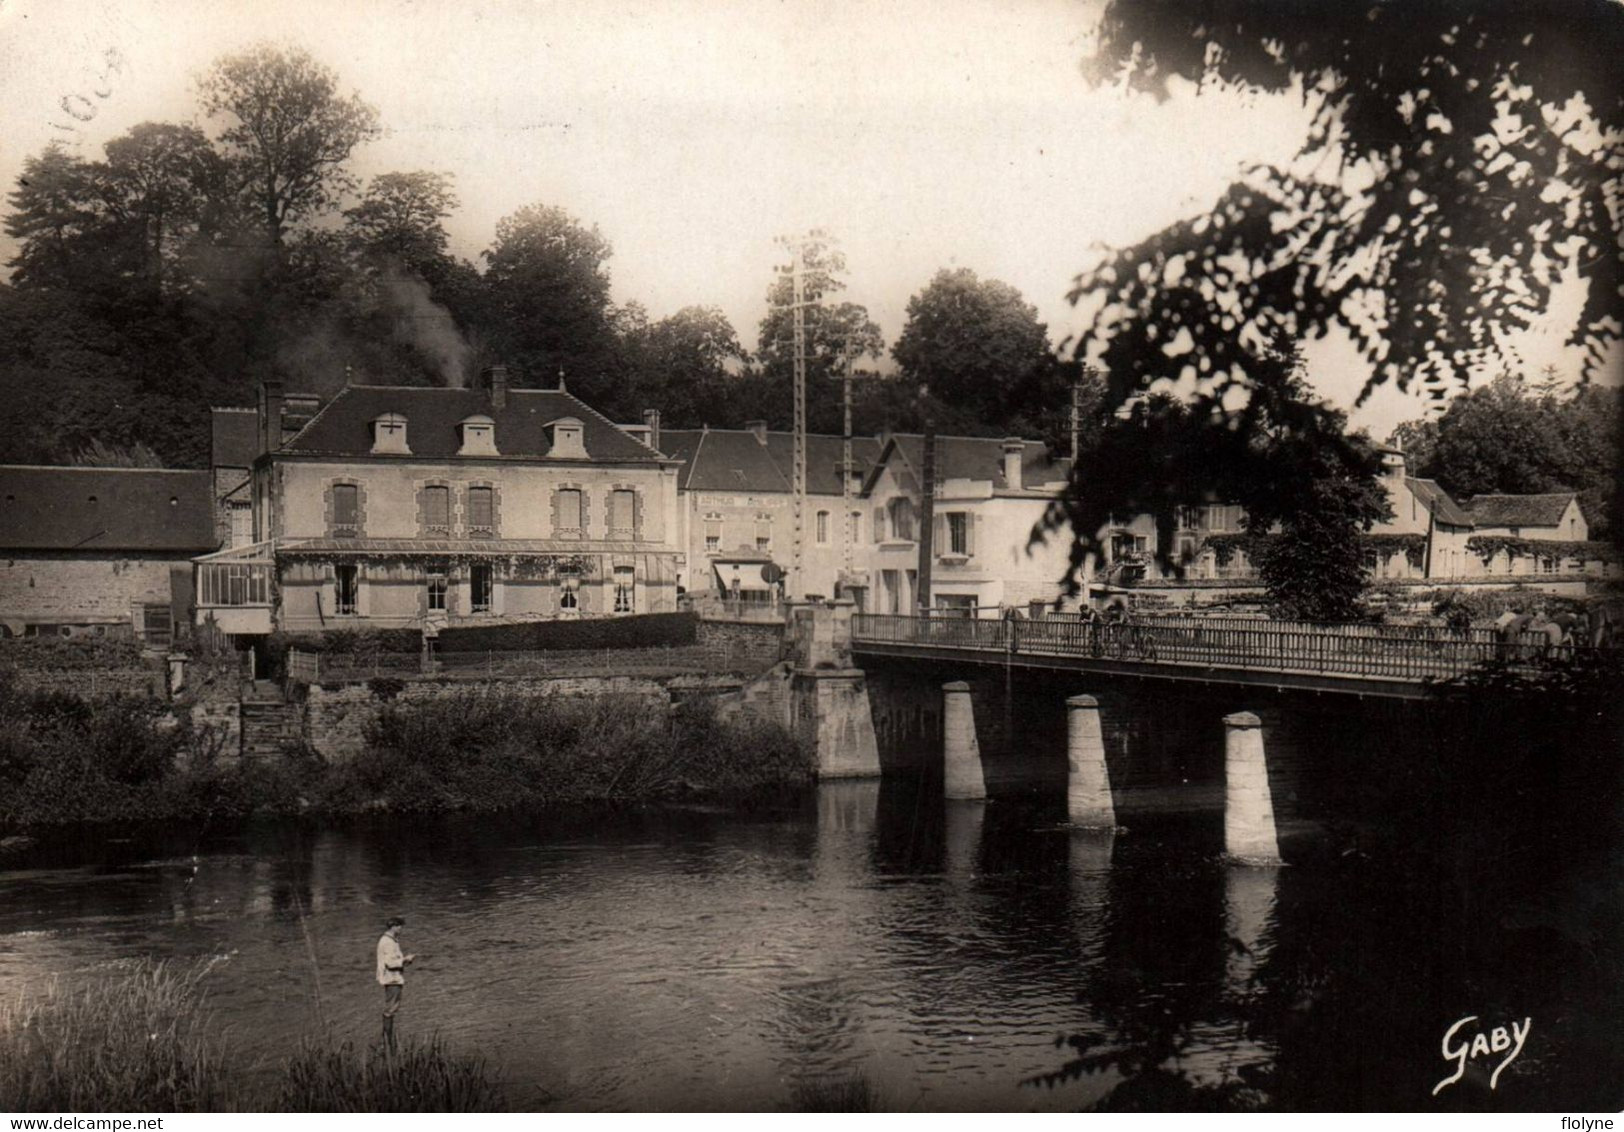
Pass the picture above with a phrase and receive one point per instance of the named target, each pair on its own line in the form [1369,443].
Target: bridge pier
[1088,779]
[1249,831]
[962,775]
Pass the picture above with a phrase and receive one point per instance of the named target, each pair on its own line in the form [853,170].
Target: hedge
[640,631]
[71,654]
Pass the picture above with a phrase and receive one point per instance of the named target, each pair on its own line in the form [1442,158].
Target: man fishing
[391,975]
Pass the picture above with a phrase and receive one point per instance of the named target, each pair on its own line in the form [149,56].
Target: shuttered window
[436,510]
[569,513]
[481,512]
[346,510]
[622,513]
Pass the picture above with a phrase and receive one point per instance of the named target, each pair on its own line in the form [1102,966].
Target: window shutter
[939,535]
[363,595]
[637,516]
[879,524]
[329,591]
[970,533]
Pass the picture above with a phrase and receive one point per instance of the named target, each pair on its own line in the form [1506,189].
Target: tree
[546,299]
[56,218]
[1506,437]
[290,132]
[164,184]
[685,365]
[401,216]
[1283,455]
[976,344]
[829,329]
[1461,158]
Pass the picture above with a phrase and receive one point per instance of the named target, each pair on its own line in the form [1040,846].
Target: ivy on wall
[1487,546]
[1225,546]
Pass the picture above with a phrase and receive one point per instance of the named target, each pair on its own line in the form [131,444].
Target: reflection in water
[1090,884]
[706,958]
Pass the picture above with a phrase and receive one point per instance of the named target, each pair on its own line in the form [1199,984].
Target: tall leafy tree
[1282,454]
[56,218]
[685,366]
[977,345]
[165,185]
[402,216]
[1461,158]
[288,130]
[546,292]
[830,329]
[1507,437]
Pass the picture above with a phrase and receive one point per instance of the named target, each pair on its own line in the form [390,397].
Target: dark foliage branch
[1284,456]
[1460,158]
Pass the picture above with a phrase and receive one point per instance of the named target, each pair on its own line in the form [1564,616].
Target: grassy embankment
[143,1041]
[65,759]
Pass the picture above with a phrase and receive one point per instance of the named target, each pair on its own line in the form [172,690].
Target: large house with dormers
[411,507]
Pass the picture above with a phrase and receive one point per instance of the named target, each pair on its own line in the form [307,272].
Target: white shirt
[391,963]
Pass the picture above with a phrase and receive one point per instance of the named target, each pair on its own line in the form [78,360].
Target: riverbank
[142,1039]
[68,760]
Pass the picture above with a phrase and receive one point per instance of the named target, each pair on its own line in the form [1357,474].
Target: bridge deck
[1368,660]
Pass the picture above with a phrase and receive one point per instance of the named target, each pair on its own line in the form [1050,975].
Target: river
[724,957]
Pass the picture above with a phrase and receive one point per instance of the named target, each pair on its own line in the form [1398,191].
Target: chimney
[1014,449]
[496,381]
[651,418]
[1393,463]
[297,411]
[270,415]
[758,428]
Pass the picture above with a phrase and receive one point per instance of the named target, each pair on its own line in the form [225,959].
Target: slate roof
[126,510]
[721,459]
[1520,510]
[982,458]
[234,437]
[342,427]
[1438,501]
[734,460]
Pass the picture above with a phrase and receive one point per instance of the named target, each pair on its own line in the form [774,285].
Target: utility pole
[1088,373]
[797,269]
[845,469]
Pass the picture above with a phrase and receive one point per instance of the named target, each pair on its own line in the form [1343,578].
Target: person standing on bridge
[392,965]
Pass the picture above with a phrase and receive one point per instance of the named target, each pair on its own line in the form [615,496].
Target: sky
[958,133]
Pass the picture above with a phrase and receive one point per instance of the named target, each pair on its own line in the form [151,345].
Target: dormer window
[567,439]
[477,436]
[389,434]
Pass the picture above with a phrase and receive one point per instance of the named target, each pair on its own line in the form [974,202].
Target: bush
[72,654]
[641,631]
[63,758]
[496,750]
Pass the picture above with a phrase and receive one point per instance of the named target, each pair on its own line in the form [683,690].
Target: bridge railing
[1392,652]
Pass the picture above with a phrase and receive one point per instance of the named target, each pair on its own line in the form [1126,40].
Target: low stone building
[99,550]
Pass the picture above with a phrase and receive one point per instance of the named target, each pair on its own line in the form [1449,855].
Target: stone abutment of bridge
[1120,751]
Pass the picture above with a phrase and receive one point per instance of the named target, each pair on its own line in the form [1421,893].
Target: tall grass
[851,1093]
[419,1077]
[138,1042]
[142,1040]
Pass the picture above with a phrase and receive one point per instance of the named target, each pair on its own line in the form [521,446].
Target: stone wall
[222,722]
[762,642]
[81,589]
[96,683]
